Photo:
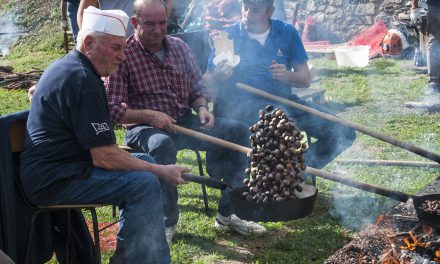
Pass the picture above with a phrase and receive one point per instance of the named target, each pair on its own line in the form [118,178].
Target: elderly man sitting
[70,154]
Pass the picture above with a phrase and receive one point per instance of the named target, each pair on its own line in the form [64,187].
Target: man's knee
[143,184]
[144,157]
[163,143]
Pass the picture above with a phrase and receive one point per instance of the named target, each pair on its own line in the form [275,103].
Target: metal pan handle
[208,181]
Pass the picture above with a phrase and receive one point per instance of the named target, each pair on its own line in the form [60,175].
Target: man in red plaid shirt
[156,87]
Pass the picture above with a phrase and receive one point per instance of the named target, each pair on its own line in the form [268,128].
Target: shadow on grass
[198,208]
[376,67]
[239,254]
[341,72]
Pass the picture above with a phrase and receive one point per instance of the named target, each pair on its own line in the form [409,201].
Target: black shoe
[433,89]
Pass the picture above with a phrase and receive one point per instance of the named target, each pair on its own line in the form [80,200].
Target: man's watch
[202,105]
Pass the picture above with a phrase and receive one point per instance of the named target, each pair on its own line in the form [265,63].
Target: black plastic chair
[201,173]
[17,132]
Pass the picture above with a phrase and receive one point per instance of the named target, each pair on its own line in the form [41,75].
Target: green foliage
[43,42]
[372,97]
[13,101]
[366,96]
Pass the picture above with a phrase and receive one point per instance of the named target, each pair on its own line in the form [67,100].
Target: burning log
[407,244]
[391,240]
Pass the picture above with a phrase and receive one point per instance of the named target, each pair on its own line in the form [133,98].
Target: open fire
[420,244]
[399,237]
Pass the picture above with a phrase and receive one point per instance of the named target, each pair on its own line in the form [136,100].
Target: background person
[69,8]
[433,55]
[156,87]
[124,5]
[272,58]
[70,154]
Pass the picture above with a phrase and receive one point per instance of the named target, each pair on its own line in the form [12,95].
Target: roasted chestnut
[276,158]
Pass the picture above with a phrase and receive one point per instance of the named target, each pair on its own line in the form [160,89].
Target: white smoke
[355,208]
[8,32]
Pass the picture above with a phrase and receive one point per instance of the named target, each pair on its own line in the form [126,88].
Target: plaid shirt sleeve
[198,88]
[116,88]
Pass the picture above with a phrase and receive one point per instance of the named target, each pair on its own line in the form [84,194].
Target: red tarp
[371,37]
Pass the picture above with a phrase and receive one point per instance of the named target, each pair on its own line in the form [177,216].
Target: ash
[373,243]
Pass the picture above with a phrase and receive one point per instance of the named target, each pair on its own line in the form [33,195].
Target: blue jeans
[221,163]
[433,57]
[72,11]
[141,236]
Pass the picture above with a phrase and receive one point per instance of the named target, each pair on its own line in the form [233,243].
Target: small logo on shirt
[100,127]
[279,53]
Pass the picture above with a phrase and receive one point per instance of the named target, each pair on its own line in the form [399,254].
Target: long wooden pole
[409,147]
[212,139]
[400,163]
[396,195]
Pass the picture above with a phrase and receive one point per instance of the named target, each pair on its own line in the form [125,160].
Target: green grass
[372,97]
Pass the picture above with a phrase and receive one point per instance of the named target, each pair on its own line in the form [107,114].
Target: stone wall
[339,20]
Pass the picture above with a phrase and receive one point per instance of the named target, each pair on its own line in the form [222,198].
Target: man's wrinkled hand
[171,174]
[64,25]
[163,121]
[206,119]
[416,17]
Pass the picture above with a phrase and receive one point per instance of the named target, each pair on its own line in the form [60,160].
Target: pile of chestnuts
[276,158]
[431,207]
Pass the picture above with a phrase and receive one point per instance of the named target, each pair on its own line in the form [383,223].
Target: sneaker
[233,222]
[169,233]
[433,89]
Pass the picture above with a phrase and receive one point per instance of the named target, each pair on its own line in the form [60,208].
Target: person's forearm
[114,158]
[210,79]
[199,102]
[83,5]
[134,116]
[299,79]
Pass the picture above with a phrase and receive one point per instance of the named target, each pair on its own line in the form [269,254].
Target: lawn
[372,97]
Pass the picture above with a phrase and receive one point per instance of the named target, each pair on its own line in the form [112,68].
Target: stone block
[335,2]
[393,1]
[365,9]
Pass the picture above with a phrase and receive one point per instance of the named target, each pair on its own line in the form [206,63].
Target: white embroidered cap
[113,22]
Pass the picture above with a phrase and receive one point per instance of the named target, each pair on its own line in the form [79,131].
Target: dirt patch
[366,244]
[398,237]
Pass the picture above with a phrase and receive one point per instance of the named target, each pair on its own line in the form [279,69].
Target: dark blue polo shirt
[69,115]
[283,45]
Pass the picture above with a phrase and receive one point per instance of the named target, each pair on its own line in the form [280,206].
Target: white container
[352,56]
